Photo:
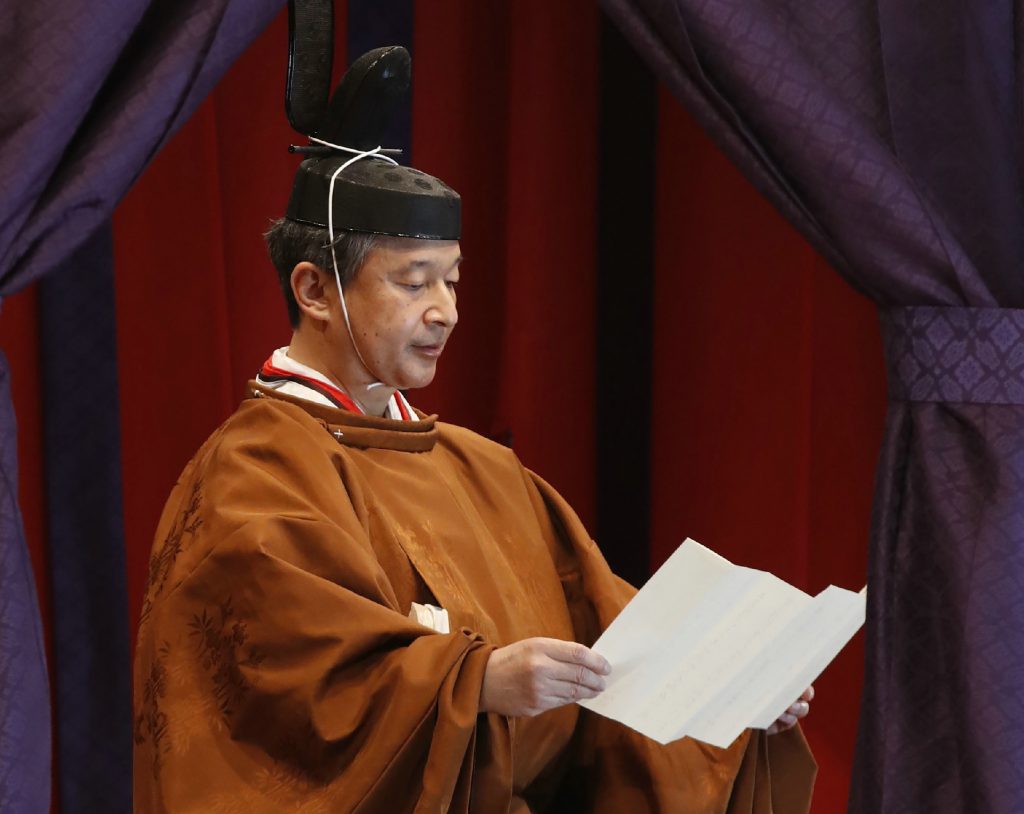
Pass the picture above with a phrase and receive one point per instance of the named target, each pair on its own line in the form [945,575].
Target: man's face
[402,308]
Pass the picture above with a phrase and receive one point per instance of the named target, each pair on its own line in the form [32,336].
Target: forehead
[406,253]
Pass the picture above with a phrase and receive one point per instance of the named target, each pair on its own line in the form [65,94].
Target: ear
[311,286]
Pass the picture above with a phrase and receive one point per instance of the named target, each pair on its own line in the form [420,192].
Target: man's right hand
[535,675]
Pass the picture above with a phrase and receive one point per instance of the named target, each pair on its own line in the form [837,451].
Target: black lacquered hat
[351,181]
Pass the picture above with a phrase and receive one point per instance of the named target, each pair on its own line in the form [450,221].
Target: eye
[412,286]
[451,284]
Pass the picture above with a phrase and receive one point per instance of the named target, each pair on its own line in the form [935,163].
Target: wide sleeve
[274,671]
[616,769]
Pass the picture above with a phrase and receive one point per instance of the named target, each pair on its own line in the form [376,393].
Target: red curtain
[769,403]
[768,384]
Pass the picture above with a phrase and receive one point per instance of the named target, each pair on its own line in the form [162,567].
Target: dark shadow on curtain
[85,531]
[627,134]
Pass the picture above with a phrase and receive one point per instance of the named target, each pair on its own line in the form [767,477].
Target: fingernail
[606,667]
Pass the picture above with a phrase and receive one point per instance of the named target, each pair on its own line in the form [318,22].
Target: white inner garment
[281,360]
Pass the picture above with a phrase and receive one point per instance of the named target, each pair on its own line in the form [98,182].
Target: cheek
[390,330]
[371,317]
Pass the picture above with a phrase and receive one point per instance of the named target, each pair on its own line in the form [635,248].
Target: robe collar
[419,434]
[281,372]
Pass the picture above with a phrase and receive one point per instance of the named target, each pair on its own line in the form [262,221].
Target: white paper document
[707,648]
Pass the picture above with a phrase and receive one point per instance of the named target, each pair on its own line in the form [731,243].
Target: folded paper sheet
[708,649]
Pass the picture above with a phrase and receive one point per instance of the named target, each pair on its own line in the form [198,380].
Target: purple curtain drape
[92,90]
[890,135]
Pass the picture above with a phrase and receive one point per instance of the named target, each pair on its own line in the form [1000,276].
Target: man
[355,607]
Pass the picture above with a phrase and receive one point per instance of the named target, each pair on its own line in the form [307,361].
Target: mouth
[430,351]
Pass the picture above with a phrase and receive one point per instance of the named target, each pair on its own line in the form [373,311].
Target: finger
[578,654]
[603,663]
[799,709]
[565,692]
[808,694]
[555,699]
[565,673]
[786,721]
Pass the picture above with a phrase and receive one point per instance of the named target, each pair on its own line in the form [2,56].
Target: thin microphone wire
[359,155]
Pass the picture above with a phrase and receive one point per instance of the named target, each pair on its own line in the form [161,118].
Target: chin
[416,384]
[414,381]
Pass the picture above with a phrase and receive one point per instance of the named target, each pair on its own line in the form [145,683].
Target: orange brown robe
[277,669]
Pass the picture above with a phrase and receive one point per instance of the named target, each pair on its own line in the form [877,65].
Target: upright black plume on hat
[371,194]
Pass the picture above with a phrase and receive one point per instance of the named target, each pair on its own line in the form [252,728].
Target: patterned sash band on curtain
[964,355]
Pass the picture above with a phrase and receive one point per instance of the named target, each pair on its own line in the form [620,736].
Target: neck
[312,349]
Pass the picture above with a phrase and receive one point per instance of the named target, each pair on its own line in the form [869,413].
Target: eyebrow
[418,264]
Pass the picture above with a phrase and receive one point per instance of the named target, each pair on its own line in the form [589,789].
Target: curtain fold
[888,134]
[85,534]
[24,689]
[93,90]
[96,88]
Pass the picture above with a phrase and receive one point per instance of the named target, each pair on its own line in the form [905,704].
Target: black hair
[290,243]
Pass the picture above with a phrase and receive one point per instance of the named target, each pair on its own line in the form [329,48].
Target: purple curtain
[92,89]
[890,135]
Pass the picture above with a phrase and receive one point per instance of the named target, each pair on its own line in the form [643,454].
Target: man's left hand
[788,719]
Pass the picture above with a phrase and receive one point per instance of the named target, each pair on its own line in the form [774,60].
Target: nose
[442,310]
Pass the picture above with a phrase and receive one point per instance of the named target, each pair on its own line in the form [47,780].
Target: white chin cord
[357,155]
